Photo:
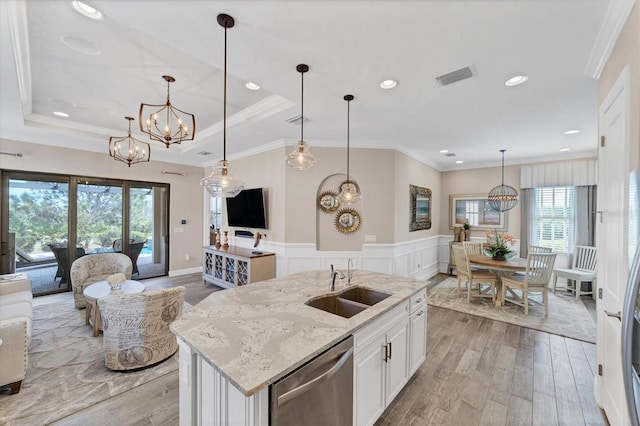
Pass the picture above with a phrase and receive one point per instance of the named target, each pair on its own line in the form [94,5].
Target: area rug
[568,317]
[66,371]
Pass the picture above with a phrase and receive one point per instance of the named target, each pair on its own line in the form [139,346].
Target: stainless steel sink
[349,302]
[364,295]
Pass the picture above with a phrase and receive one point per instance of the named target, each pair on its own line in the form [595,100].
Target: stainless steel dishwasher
[318,393]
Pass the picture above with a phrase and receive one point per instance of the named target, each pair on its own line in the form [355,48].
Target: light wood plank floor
[478,372]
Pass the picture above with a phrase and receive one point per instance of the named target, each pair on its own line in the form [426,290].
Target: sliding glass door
[44,216]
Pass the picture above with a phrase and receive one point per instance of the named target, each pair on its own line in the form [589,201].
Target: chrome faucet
[349,273]
[332,278]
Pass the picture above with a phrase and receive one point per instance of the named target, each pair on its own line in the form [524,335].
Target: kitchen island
[237,342]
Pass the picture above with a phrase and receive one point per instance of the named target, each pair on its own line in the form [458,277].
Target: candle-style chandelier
[129,150]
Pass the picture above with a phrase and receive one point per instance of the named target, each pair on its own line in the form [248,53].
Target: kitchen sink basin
[349,302]
[363,295]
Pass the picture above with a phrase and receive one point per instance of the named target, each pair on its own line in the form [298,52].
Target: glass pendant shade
[300,158]
[129,150]
[220,182]
[166,123]
[349,193]
[503,197]
[349,190]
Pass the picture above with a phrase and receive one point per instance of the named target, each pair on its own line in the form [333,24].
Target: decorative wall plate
[328,201]
[347,220]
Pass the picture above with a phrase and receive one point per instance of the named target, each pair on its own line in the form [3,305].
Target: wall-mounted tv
[247,209]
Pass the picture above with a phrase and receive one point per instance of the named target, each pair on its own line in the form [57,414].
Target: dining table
[501,268]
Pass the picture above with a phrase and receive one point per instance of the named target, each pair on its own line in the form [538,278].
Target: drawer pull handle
[420,313]
[419,300]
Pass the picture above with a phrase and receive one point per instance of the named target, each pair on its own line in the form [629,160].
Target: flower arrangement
[499,245]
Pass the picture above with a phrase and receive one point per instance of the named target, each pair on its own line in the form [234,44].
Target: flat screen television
[247,209]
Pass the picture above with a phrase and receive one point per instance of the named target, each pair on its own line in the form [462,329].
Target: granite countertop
[257,334]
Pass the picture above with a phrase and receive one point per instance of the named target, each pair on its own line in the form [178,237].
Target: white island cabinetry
[236,266]
[236,343]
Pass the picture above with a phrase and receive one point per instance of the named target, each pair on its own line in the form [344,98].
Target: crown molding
[614,20]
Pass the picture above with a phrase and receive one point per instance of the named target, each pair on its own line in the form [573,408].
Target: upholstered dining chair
[535,280]
[471,277]
[92,268]
[136,327]
[585,261]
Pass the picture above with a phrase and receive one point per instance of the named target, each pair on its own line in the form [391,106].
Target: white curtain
[575,173]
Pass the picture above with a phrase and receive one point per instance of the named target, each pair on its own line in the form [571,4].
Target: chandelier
[349,190]
[503,197]
[128,149]
[166,123]
[300,158]
[221,183]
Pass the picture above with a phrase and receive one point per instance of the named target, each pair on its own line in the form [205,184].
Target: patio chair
[535,280]
[134,253]
[585,260]
[61,253]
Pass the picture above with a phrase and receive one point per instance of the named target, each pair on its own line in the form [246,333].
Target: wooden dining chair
[474,247]
[471,277]
[535,280]
[539,249]
[585,260]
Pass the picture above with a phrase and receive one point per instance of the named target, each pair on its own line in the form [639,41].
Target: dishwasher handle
[311,383]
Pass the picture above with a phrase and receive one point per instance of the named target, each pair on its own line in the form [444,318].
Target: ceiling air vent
[204,153]
[297,119]
[450,154]
[455,76]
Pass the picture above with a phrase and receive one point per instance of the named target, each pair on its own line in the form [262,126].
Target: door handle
[321,378]
[389,350]
[616,315]
[386,352]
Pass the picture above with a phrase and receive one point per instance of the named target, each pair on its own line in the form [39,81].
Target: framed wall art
[475,210]
[419,208]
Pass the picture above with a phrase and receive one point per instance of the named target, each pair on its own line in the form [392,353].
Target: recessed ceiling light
[86,10]
[60,114]
[572,132]
[516,80]
[388,84]
[80,45]
[565,149]
[252,86]
[444,151]
[459,162]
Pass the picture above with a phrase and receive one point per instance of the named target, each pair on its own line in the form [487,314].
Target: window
[554,217]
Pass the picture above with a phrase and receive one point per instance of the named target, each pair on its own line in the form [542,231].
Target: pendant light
[166,123]
[128,149]
[300,158]
[221,183]
[349,190]
[503,197]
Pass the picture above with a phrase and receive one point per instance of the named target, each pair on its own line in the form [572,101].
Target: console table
[236,266]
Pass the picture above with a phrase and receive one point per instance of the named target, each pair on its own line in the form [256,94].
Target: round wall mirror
[347,221]
[328,201]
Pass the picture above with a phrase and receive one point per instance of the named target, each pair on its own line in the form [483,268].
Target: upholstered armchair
[136,327]
[96,267]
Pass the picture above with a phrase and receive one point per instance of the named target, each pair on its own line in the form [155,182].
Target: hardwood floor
[478,372]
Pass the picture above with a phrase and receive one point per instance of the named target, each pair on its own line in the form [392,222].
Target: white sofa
[16,314]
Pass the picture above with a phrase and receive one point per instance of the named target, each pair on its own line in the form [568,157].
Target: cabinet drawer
[418,300]
[368,334]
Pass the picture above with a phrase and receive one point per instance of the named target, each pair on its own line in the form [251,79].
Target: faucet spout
[349,272]
[332,279]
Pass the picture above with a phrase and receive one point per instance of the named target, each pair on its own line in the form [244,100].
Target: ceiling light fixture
[388,84]
[129,150]
[459,162]
[349,190]
[444,151]
[60,114]
[300,158]
[516,80]
[86,10]
[564,149]
[251,86]
[572,132]
[503,197]
[166,123]
[221,183]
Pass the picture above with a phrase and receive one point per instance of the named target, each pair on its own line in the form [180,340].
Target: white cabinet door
[369,398]
[418,341]
[397,359]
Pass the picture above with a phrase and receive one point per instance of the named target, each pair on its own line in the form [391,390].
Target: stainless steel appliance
[318,393]
[631,308]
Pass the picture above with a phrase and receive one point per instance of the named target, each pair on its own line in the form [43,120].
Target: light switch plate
[177,230]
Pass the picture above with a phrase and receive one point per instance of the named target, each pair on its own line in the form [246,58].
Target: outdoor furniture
[585,260]
[134,253]
[535,279]
[61,254]
[16,315]
[470,276]
[136,327]
[92,268]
